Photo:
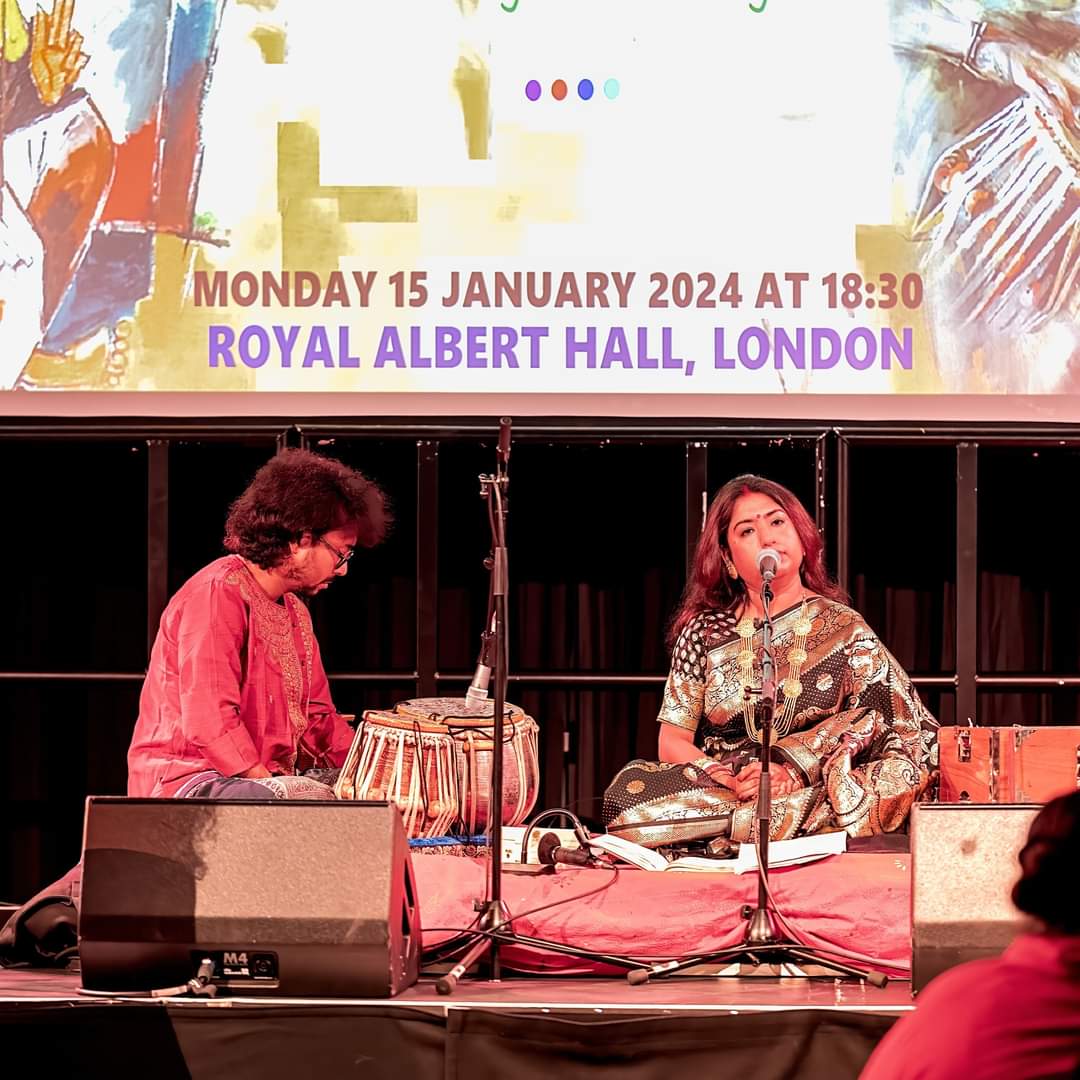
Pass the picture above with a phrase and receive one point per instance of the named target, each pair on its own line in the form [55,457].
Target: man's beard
[294,575]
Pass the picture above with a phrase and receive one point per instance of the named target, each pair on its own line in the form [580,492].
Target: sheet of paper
[803,849]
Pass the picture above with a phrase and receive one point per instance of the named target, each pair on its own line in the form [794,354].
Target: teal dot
[611,89]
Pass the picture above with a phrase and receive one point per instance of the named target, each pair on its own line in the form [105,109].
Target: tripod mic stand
[491,929]
[493,912]
[762,943]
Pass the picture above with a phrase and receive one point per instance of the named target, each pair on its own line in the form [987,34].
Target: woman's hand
[722,775]
[746,783]
[256,772]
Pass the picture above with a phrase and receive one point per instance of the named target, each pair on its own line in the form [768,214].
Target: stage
[521,1027]
[530,1024]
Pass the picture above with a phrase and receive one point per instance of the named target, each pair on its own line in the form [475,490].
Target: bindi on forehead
[763,513]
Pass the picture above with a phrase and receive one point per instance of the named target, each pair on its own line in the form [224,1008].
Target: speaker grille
[964,864]
[172,876]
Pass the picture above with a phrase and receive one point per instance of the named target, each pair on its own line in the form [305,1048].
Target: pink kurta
[1013,1017]
[235,680]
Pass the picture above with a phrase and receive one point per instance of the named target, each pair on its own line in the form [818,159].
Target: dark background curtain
[598,544]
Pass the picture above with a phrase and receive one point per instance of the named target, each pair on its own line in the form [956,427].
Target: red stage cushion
[858,902]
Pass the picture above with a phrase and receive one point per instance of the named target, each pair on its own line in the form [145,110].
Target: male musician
[236,703]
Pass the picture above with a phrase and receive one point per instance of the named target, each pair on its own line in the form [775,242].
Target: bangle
[978,32]
[792,772]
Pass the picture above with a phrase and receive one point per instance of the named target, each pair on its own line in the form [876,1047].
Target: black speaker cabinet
[303,899]
[963,867]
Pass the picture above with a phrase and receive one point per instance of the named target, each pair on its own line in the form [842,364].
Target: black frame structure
[834,447]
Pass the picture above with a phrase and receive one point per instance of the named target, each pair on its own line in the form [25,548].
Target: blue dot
[532,90]
[585,89]
[611,89]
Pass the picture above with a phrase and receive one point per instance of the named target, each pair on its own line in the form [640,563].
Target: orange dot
[558,89]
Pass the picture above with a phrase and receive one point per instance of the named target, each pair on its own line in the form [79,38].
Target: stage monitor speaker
[963,867]
[302,899]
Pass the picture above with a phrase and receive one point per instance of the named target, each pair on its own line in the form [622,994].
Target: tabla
[1002,213]
[432,757]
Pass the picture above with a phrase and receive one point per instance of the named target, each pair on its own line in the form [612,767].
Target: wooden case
[1008,764]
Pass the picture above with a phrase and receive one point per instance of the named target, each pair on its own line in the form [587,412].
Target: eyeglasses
[342,556]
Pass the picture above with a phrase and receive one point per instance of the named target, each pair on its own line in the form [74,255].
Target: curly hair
[710,587]
[1048,861]
[298,491]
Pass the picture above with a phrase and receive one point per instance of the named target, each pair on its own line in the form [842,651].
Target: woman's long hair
[711,587]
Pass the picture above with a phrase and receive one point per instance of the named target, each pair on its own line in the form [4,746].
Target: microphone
[768,562]
[503,451]
[549,852]
[477,693]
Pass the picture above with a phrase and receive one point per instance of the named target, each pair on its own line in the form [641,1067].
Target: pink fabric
[1010,1018]
[235,680]
[856,901]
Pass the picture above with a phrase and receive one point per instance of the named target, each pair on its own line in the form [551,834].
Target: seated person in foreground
[1016,1016]
[853,747]
[236,703]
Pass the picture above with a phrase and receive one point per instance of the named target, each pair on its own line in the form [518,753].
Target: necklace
[791,686]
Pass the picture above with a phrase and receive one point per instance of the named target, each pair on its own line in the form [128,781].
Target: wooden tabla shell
[445,787]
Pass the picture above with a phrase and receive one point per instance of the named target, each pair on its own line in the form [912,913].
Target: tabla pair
[432,757]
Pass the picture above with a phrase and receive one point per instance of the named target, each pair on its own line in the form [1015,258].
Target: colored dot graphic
[586,89]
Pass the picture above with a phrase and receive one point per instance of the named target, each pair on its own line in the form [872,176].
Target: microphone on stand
[768,562]
[477,693]
[548,852]
[503,451]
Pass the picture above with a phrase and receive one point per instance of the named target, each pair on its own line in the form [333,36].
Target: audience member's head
[1048,861]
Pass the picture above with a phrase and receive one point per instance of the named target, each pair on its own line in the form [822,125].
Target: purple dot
[532,90]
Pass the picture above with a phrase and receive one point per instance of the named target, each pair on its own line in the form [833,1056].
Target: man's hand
[256,772]
[746,783]
[56,55]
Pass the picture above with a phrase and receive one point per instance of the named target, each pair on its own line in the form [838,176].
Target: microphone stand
[760,930]
[761,942]
[493,912]
[496,911]
[492,927]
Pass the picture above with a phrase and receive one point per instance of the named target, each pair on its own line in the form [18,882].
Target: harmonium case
[1008,764]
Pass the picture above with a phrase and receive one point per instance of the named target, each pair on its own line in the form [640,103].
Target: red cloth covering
[1014,1017]
[860,902]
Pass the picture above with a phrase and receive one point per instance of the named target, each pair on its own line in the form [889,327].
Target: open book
[781,853]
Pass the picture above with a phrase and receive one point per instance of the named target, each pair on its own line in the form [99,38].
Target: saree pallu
[862,744]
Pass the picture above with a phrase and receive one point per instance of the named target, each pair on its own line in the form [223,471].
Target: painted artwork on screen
[584,197]
[988,171]
[100,105]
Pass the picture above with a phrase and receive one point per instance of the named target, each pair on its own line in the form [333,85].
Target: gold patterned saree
[849,725]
